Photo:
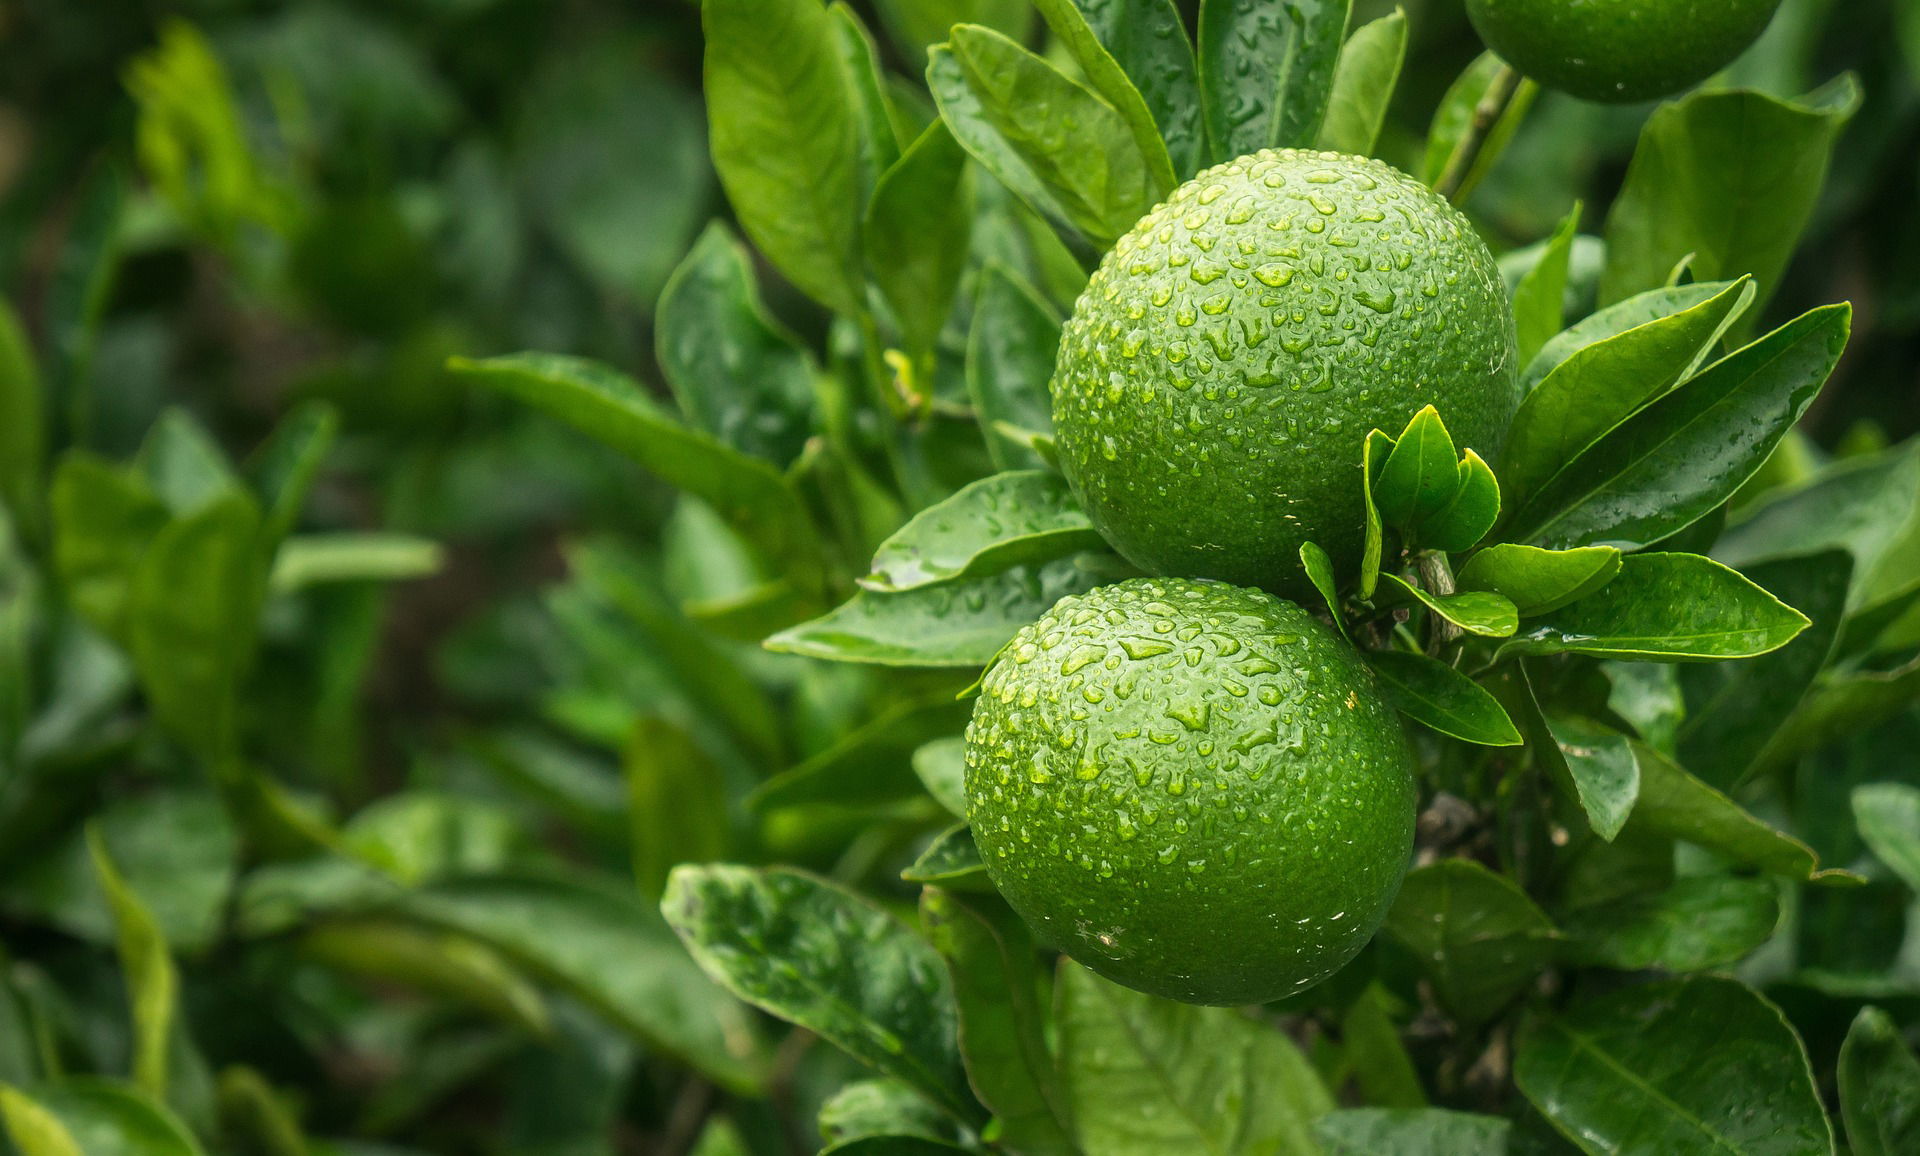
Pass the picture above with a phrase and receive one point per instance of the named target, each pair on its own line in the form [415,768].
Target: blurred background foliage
[413,903]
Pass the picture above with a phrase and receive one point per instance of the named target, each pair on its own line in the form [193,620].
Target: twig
[1486,115]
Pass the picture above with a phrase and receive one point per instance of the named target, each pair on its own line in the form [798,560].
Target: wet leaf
[915,234]
[821,957]
[1105,76]
[1879,1087]
[735,371]
[1070,139]
[1604,383]
[990,955]
[1010,356]
[1679,806]
[1475,934]
[1678,459]
[1728,177]
[1266,71]
[1697,1065]
[785,139]
[1666,608]
[1150,43]
[1431,692]
[1149,1076]
[1540,299]
[1701,922]
[1540,581]
[1600,763]
[1888,815]
[1411,1132]
[1476,612]
[953,624]
[951,860]
[992,525]
[1364,80]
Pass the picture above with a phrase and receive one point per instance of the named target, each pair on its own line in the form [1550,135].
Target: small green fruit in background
[1194,789]
[1226,361]
[1620,51]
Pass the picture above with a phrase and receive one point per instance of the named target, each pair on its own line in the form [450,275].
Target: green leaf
[1105,76]
[1372,1049]
[994,524]
[1701,922]
[1604,383]
[1666,608]
[1462,523]
[1841,703]
[1601,766]
[786,139]
[941,767]
[677,803]
[86,1116]
[152,983]
[893,1146]
[1374,452]
[748,493]
[954,624]
[1071,140]
[353,556]
[1421,475]
[283,469]
[1679,806]
[609,949]
[1266,71]
[1540,581]
[104,517]
[1868,506]
[880,147]
[1151,1076]
[990,956]
[821,957]
[1319,571]
[430,961]
[1364,80]
[1682,456]
[1476,935]
[1888,815]
[1653,305]
[1453,123]
[1010,354]
[1540,299]
[976,127]
[1431,692]
[1411,1132]
[1148,40]
[951,860]
[880,1108]
[1729,177]
[1734,708]
[867,766]
[185,466]
[193,616]
[1696,1065]
[1477,612]
[919,24]
[1879,1087]
[23,432]
[735,371]
[916,234]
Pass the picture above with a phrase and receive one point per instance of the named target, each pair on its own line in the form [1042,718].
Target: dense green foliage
[414,744]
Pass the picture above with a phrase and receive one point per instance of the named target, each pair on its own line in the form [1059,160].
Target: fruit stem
[1486,115]
[1437,577]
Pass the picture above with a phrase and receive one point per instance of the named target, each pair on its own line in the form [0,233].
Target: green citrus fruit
[1221,371]
[1194,789]
[1620,51]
